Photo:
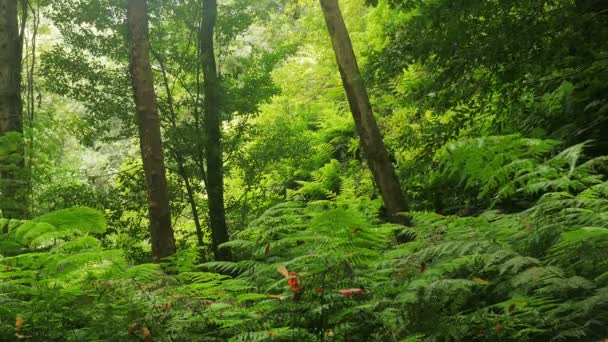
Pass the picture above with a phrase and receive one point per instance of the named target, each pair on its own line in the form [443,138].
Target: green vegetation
[493,115]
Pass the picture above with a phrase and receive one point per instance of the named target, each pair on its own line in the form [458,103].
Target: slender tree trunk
[181,168]
[371,139]
[191,200]
[148,122]
[199,158]
[30,46]
[13,192]
[215,173]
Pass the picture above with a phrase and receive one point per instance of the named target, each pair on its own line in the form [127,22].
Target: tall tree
[148,122]
[215,172]
[12,181]
[358,100]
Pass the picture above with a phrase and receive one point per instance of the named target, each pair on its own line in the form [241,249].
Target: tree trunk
[215,173]
[371,139]
[148,122]
[12,173]
[181,168]
[191,200]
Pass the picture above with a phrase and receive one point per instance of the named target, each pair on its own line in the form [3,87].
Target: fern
[533,272]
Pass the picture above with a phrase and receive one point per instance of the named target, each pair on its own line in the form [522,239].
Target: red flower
[294,282]
[351,292]
[498,328]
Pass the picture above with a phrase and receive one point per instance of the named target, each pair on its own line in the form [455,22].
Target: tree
[358,100]
[148,122]
[215,172]
[12,182]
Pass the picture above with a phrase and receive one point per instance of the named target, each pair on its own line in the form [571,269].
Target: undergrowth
[518,255]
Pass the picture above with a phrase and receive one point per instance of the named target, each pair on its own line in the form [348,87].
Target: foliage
[494,114]
[536,274]
[441,71]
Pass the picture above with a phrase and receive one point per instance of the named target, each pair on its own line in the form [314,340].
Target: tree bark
[215,173]
[358,100]
[148,122]
[12,173]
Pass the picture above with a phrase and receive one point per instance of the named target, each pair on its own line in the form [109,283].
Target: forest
[303,170]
